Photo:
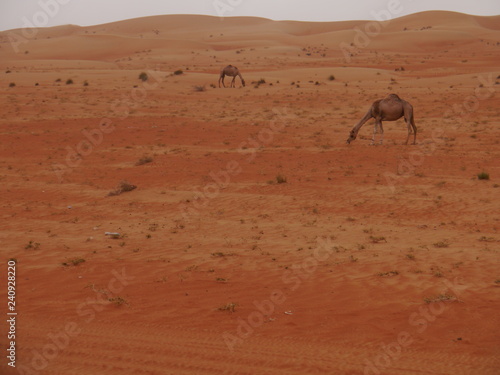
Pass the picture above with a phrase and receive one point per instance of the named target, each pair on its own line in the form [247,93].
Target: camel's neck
[361,122]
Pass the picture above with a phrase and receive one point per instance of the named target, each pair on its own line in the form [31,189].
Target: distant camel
[230,71]
[391,108]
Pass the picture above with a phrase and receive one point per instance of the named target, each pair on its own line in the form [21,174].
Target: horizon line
[239,16]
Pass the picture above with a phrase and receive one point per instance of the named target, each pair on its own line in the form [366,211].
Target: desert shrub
[231,307]
[74,262]
[441,244]
[144,160]
[280,179]
[178,72]
[118,301]
[378,239]
[32,245]
[483,176]
[123,187]
[143,76]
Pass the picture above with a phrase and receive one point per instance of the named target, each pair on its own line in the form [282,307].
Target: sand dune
[256,241]
[431,29]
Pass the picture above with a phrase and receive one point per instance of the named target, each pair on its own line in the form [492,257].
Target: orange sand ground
[368,259]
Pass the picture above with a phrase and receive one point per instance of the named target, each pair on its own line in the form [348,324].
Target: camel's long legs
[374,133]
[409,133]
[412,129]
[221,78]
[378,128]
[410,123]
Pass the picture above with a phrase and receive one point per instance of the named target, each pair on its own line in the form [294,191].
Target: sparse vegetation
[12,84]
[486,239]
[441,244]
[144,160]
[74,262]
[441,298]
[223,222]
[483,176]
[32,245]
[390,273]
[280,179]
[231,307]
[69,81]
[123,187]
[118,301]
[378,239]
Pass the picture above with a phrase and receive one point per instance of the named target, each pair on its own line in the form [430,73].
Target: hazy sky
[22,13]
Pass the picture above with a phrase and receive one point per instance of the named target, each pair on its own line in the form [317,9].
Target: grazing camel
[391,108]
[230,71]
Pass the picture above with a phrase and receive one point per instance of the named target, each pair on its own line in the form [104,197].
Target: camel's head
[243,82]
[352,136]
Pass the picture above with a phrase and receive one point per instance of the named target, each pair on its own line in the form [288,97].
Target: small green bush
[281,179]
[483,176]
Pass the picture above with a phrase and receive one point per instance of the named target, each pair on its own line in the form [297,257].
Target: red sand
[366,260]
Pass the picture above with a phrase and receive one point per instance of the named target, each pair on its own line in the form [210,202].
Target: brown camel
[391,108]
[230,71]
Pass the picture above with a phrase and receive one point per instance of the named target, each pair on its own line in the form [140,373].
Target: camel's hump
[393,96]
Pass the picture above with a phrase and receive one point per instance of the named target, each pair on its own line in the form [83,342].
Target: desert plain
[160,224]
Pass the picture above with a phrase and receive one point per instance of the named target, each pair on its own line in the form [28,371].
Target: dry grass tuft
[123,187]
